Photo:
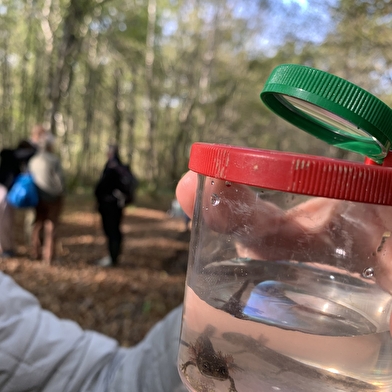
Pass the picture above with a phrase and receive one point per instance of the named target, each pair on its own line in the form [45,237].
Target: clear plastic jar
[289,278]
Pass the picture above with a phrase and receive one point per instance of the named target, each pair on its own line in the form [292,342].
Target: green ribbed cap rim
[330,108]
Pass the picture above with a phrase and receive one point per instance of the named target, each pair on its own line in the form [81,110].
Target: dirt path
[122,302]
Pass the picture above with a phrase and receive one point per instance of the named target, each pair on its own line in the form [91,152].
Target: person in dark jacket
[12,162]
[110,206]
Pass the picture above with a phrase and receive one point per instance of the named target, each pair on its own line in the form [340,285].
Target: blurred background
[158,75]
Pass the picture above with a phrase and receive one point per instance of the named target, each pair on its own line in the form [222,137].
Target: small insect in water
[210,363]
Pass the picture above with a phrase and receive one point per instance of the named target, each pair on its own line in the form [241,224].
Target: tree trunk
[149,106]
[6,99]
[117,112]
[131,114]
[68,49]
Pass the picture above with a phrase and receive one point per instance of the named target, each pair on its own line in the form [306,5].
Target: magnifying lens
[330,108]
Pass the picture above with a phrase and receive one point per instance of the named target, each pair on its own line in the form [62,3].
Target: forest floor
[122,302]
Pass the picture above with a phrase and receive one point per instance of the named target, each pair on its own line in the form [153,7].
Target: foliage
[157,75]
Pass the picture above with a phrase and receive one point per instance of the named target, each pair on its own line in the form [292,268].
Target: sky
[302,3]
[302,20]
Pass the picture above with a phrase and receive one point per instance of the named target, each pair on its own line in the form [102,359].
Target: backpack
[127,185]
[24,192]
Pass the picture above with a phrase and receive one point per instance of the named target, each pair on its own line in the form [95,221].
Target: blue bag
[24,192]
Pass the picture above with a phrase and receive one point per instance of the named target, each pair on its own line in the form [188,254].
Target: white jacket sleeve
[151,366]
[39,352]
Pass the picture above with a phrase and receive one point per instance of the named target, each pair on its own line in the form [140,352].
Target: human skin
[311,224]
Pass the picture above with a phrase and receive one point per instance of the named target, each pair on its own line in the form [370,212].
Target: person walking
[46,169]
[9,169]
[37,133]
[12,163]
[110,202]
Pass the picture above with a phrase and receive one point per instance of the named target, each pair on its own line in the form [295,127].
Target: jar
[289,277]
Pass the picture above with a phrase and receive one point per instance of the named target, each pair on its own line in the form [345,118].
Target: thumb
[186,192]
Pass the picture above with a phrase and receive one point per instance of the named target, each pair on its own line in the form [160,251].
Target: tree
[157,75]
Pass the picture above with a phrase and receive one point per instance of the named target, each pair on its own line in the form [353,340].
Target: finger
[236,207]
[186,192]
[231,208]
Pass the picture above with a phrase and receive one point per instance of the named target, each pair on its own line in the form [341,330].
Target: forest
[155,76]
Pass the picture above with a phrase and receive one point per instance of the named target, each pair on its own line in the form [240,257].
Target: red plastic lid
[295,173]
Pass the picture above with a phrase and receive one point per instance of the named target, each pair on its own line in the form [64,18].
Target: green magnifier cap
[330,108]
